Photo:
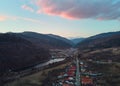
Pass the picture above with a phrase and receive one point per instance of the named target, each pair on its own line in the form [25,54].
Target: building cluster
[68,77]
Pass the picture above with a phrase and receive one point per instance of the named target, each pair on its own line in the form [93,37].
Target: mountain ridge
[110,39]
[45,40]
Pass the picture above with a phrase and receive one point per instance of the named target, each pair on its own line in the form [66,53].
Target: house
[86,80]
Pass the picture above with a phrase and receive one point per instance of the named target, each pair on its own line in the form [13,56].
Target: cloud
[28,8]
[81,9]
[3,18]
[15,18]
[30,20]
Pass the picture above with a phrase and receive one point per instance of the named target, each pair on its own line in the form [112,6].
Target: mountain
[46,41]
[21,50]
[17,53]
[77,40]
[104,40]
[61,38]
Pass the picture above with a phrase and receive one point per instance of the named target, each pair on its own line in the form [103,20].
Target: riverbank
[37,74]
[36,79]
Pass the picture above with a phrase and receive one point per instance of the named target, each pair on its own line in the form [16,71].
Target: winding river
[49,62]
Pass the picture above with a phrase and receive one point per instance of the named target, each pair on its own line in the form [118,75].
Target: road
[77,73]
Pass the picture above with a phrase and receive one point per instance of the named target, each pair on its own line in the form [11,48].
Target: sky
[68,18]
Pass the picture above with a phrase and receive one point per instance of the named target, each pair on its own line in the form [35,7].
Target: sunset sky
[69,18]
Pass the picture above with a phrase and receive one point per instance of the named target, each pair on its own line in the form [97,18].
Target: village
[75,74]
[70,71]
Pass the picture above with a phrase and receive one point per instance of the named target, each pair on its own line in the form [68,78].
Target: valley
[59,42]
[32,59]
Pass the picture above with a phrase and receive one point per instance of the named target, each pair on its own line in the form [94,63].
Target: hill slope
[46,41]
[105,40]
[17,53]
[61,38]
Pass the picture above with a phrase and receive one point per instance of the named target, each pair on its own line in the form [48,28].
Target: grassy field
[111,73]
[35,79]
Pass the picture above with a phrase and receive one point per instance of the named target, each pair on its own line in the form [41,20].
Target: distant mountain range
[51,41]
[21,50]
[104,40]
[77,40]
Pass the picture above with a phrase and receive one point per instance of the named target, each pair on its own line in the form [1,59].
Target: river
[49,62]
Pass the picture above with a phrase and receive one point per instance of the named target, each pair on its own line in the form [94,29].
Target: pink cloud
[3,18]
[81,9]
[28,8]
